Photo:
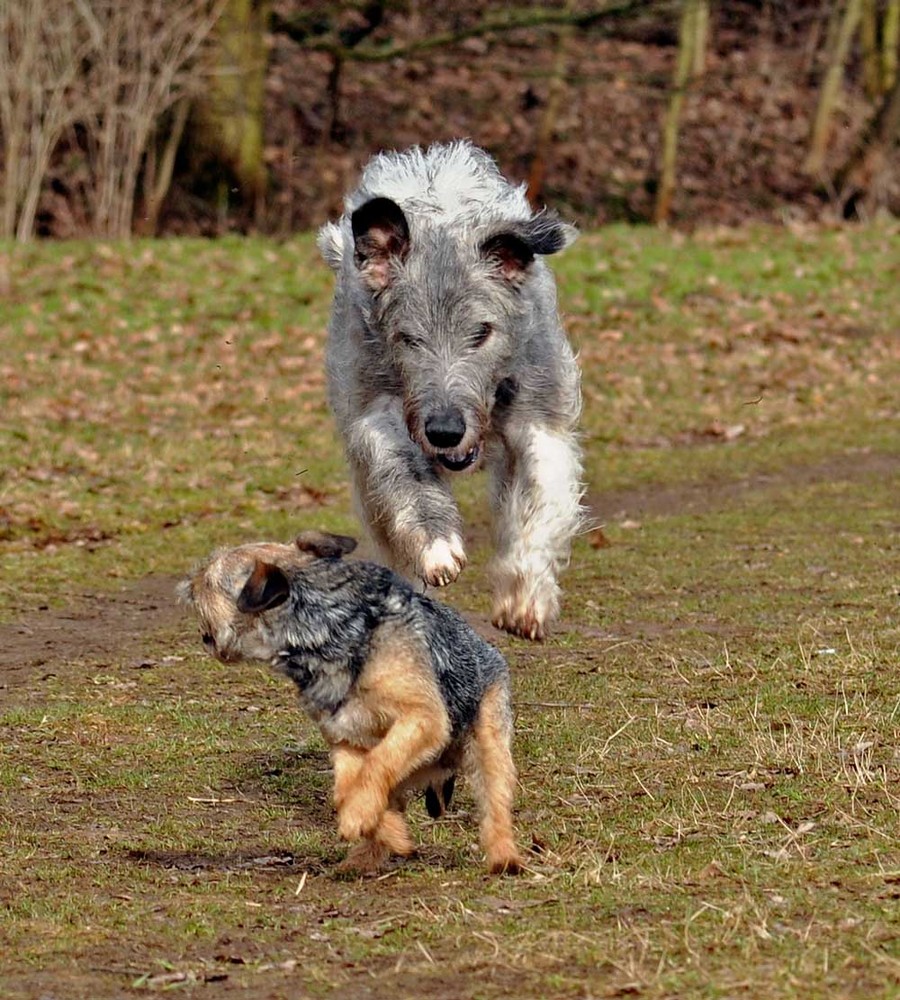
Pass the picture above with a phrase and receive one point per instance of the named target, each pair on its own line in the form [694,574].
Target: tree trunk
[864,167]
[667,177]
[871,57]
[543,142]
[890,44]
[835,10]
[831,86]
[701,39]
[228,117]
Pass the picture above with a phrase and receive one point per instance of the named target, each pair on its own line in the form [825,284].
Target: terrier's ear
[325,545]
[184,591]
[266,588]
[380,240]
[512,251]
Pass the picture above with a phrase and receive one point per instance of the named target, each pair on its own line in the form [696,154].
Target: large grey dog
[446,352]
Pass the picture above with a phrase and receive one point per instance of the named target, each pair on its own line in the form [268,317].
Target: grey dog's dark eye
[208,639]
[481,334]
[407,340]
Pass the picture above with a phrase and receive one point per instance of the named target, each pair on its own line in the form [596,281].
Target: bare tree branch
[143,64]
[312,41]
[42,45]
[158,169]
[115,68]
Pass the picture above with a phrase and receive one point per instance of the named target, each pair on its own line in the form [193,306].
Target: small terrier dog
[404,691]
[445,353]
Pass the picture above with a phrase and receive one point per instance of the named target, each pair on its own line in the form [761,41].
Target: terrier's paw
[505,863]
[393,834]
[359,815]
[366,856]
[441,561]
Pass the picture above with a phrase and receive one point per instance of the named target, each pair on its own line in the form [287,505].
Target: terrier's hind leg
[494,780]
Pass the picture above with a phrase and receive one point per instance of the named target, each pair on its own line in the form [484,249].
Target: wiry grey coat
[446,352]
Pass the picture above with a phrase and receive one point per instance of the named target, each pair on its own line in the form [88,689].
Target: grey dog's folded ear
[380,239]
[266,587]
[513,248]
[325,545]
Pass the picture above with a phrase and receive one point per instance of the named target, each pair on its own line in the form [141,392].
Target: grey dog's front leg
[410,513]
[537,509]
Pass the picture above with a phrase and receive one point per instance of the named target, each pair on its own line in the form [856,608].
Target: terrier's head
[238,593]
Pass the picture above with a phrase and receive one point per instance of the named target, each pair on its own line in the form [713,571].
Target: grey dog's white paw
[441,561]
[525,606]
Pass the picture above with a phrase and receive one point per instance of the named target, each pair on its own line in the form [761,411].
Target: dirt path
[98,628]
[717,494]
[107,627]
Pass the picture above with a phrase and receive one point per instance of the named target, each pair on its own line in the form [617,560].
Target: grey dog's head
[451,305]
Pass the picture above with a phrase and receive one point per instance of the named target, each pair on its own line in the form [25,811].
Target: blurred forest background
[122,117]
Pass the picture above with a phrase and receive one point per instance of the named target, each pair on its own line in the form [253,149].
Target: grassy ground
[709,745]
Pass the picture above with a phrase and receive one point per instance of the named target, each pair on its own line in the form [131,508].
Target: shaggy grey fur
[446,353]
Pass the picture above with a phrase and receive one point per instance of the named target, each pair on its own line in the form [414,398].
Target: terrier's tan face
[215,590]
[231,592]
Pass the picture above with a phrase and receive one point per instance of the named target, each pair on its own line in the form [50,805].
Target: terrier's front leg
[409,511]
[413,740]
[537,509]
[389,835]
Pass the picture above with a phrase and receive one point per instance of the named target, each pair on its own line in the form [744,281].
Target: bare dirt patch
[100,628]
[717,494]
[103,628]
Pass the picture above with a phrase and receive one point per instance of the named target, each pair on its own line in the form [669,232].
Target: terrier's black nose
[445,429]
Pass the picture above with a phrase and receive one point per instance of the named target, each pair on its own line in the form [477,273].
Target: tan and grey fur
[404,691]
[446,353]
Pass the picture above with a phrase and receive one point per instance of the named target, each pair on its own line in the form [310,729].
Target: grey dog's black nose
[445,429]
